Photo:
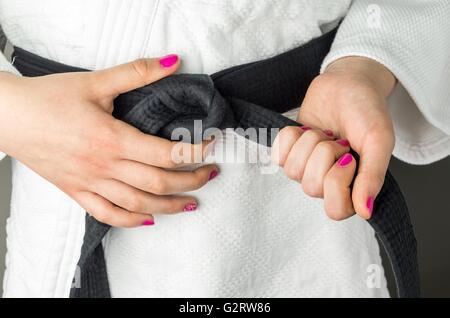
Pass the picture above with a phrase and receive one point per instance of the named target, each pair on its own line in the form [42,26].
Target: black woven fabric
[251,95]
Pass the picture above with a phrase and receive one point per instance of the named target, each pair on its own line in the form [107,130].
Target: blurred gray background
[425,187]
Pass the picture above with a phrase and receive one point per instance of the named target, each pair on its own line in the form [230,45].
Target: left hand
[344,107]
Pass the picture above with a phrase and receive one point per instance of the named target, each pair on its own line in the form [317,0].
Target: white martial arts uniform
[240,242]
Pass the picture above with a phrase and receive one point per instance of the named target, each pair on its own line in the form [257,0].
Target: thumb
[132,75]
[373,164]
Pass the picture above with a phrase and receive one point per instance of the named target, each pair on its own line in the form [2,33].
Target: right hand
[61,127]
[349,100]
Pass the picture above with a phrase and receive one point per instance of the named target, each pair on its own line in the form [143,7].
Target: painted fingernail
[168,60]
[345,160]
[369,204]
[328,132]
[148,223]
[190,207]
[305,128]
[213,174]
[343,142]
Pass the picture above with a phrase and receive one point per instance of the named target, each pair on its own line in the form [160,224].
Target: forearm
[415,49]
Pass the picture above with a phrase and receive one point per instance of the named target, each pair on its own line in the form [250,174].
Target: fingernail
[168,60]
[345,160]
[328,132]
[343,142]
[190,207]
[213,174]
[148,223]
[369,204]
[305,128]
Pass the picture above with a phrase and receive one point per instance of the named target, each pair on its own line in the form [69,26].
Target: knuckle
[326,148]
[381,132]
[288,133]
[313,135]
[158,185]
[116,133]
[312,189]
[101,216]
[336,212]
[103,139]
[335,215]
[292,173]
[168,159]
[141,67]
[135,203]
[94,152]
[92,165]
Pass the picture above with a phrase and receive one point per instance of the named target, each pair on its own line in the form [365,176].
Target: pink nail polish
[345,160]
[305,128]
[369,204]
[168,60]
[328,132]
[213,174]
[148,223]
[343,142]
[190,207]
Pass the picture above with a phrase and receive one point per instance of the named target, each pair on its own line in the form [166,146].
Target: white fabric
[411,38]
[255,235]
[272,240]
[5,66]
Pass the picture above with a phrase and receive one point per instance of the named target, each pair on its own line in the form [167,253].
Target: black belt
[250,95]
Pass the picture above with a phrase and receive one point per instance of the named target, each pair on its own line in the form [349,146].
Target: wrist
[366,69]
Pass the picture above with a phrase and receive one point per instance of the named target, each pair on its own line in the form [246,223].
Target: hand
[61,127]
[348,101]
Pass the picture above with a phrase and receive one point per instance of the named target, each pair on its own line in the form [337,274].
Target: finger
[160,152]
[132,75]
[283,143]
[297,158]
[337,192]
[106,212]
[319,163]
[138,201]
[374,161]
[163,182]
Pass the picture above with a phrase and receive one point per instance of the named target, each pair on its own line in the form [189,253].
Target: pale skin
[346,106]
[61,127]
